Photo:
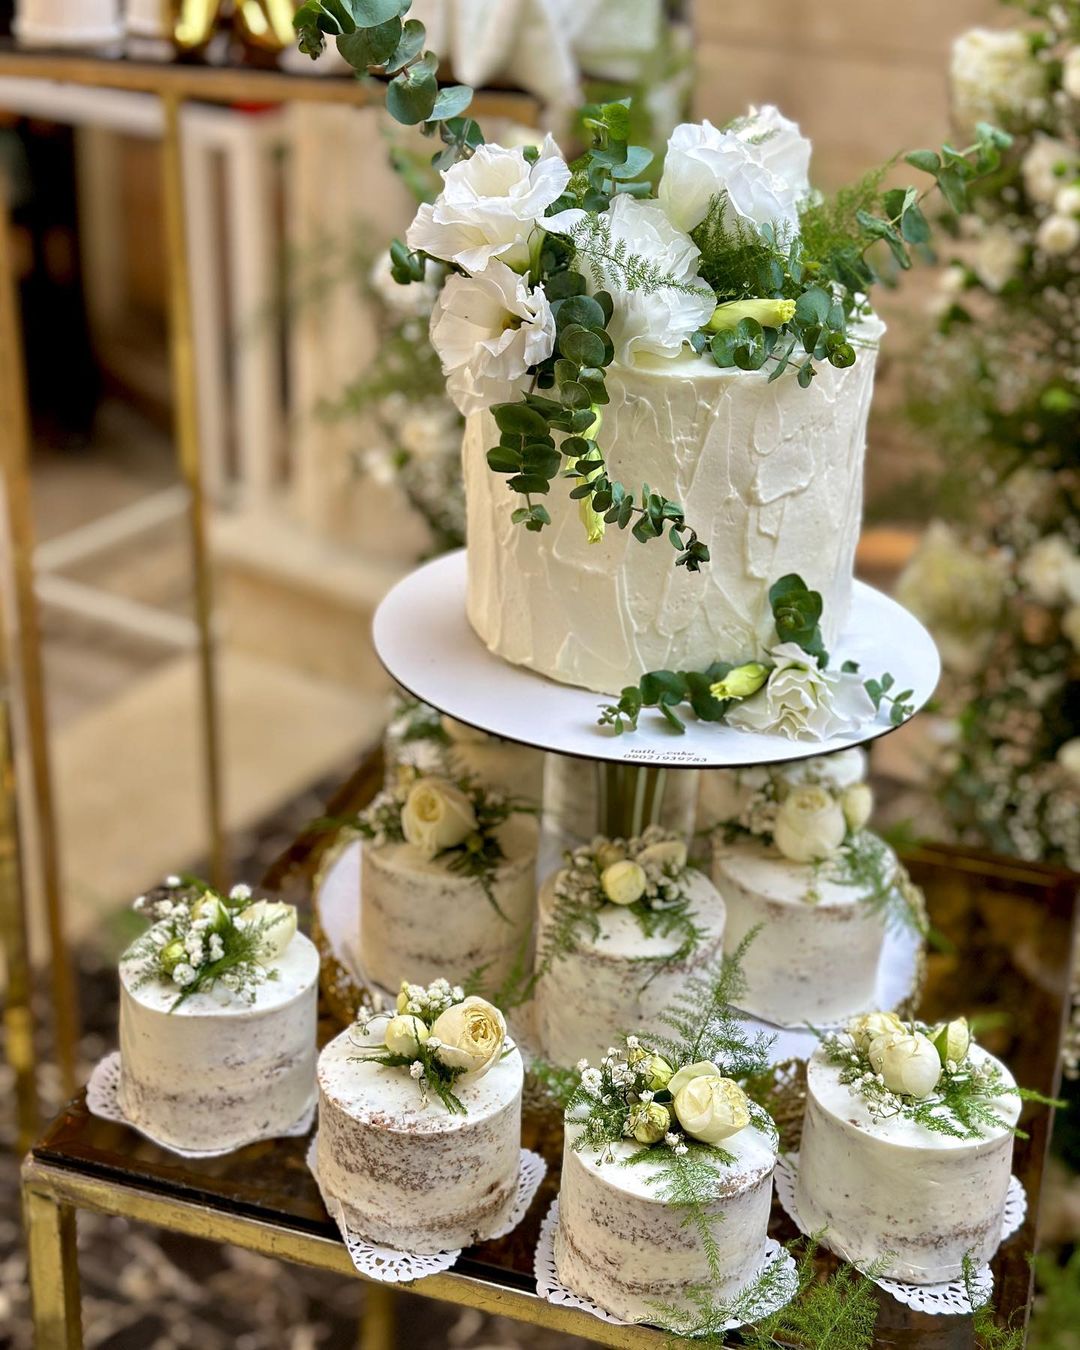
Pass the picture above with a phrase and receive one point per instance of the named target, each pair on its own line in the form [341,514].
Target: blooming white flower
[491,206]
[488,330]
[760,164]
[581,1065]
[865,1029]
[711,1108]
[436,815]
[906,1062]
[1068,756]
[810,824]
[1070,72]
[1058,235]
[649,322]
[591,1079]
[802,701]
[1047,166]
[837,771]
[1051,571]
[1067,201]
[416,1069]
[993,72]
[183,974]
[241,891]
[996,256]
[173,881]
[470,1037]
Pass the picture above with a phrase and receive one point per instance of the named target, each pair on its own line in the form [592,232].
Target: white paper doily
[948,1296]
[391,1266]
[549,1286]
[103,1101]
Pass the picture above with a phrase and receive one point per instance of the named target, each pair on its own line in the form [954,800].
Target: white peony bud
[1058,235]
[952,1040]
[669,854]
[712,1109]
[436,816]
[810,824]
[907,1061]
[857,804]
[867,1028]
[404,1035]
[623,882]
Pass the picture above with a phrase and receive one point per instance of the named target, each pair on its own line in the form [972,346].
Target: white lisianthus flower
[280,921]
[1058,235]
[1068,756]
[658,322]
[711,1108]
[491,206]
[866,1029]
[810,824]
[488,330]
[470,1036]
[1051,571]
[436,815]
[993,72]
[803,702]
[760,164]
[996,256]
[1070,72]
[907,1061]
[1047,166]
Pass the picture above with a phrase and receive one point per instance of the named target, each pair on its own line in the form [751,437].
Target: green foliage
[901,707]
[989,1333]
[838,1312]
[1056,1321]
[866,863]
[797,614]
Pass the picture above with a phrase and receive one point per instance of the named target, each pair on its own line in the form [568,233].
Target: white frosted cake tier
[411,1176]
[572,797]
[621,1245]
[894,1189]
[816,957]
[619,982]
[504,766]
[219,1071]
[420,921]
[770,475]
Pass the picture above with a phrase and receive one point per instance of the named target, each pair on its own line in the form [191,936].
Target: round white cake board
[338,901]
[424,640]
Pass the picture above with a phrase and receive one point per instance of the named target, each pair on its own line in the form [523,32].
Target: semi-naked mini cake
[220,1066]
[887,1188]
[574,791]
[408,1171]
[447,886]
[620,965]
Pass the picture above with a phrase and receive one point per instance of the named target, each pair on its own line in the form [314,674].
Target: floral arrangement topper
[202,937]
[444,1038]
[555,270]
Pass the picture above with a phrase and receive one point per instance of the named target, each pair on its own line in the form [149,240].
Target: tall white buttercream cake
[218,1071]
[420,919]
[408,1173]
[619,978]
[892,1190]
[770,475]
[573,798]
[619,1243]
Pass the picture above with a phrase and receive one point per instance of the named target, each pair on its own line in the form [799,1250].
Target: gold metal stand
[54,1271]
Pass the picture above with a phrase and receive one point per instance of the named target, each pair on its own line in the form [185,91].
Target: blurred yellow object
[266,23]
[263,24]
[195,22]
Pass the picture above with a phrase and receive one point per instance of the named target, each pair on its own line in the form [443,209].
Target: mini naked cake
[217,1019]
[907,1148]
[447,882]
[620,929]
[420,1122]
[574,790]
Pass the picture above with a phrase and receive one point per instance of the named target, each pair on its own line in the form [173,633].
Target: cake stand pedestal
[424,640]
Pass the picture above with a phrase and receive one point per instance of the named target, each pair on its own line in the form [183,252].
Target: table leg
[377,1322]
[54,1271]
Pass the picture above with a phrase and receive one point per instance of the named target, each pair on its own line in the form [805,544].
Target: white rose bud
[608,853]
[669,854]
[952,1040]
[701,1069]
[404,1035]
[279,921]
[403,997]
[1058,235]
[907,1061]
[210,908]
[623,882]
[171,955]
[712,1109]
[867,1028]
[649,1122]
[857,803]
[659,1071]
[436,816]
[810,824]
[471,1036]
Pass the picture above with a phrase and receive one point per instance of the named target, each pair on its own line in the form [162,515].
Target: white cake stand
[424,640]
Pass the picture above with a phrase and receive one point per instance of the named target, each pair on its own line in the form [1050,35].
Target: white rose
[491,206]
[411,301]
[866,1029]
[1058,235]
[488,330]
[907,1061]
[1070,73]
[803,702]
[857,803]
[436,815]
[404,1035]
[471,1036]
[809,825]
[1067,202]
[1068,756]
[655,323]
[623,882]
[996,256]
[1051,571]
[993,72]
[667,854]
[1047,166]
[278,921]
[760,164]
[711,1108]
[703,1068]
[952,1040]
[1070,625]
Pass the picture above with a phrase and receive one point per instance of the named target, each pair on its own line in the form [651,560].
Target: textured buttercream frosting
[219,1071]
[816,956]
[410,1175]
[620,981]
[420,921]
[621,1245]
[893,1189]
[770,475]
[572,794]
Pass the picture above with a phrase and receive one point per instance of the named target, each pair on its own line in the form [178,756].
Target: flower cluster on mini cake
[444,1038]
[452,821]
[202,937]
